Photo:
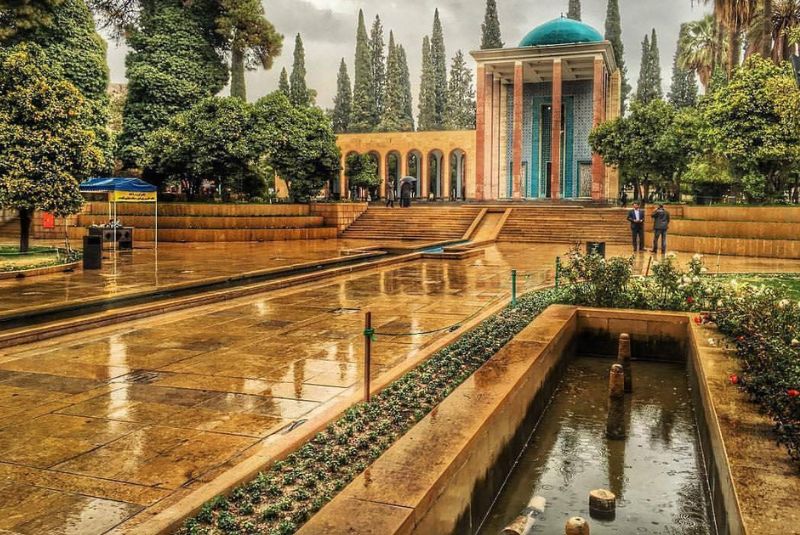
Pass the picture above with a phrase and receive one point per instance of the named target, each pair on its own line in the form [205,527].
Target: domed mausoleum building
[521,148]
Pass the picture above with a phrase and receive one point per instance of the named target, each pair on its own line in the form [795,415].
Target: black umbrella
[407,180]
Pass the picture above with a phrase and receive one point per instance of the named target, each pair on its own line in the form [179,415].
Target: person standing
[636,218]
[390,195]
[405,195]
[660,226]
[623,199]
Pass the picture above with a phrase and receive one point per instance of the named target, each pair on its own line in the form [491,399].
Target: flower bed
[281,499]
[12,261]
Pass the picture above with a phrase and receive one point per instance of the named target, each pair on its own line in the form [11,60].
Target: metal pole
[647,271]
[367,354]
[513,287]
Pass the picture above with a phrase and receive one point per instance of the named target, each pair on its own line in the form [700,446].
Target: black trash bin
[596,247]
[92,252]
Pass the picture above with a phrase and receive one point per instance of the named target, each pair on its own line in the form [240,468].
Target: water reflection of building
[520,148]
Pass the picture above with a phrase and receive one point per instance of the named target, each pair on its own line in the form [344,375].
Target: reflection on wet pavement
[97,426]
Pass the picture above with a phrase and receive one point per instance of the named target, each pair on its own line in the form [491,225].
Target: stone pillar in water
[576,526]
[602,504]
[523,524]
[615,425]
[624,358]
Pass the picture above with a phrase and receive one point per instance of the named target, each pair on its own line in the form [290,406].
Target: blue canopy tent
[123,189]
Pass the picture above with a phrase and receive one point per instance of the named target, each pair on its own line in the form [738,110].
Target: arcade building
[520,149]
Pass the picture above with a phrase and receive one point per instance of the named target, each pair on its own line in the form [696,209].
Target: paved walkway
[99,426]
[137,271]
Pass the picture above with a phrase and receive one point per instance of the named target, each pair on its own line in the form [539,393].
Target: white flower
[695,279]
[709,291]
[720,303]
[686,280]
[712,342]
[783,303]
[734,284]
[681,286]
[697,257]
[795,342]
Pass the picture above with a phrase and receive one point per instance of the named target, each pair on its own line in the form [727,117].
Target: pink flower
[690,299]
[734,379]
[793,393]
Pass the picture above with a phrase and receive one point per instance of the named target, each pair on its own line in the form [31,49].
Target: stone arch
[435,175]
[458,174]
[377,191]
[394,170]
[414,164]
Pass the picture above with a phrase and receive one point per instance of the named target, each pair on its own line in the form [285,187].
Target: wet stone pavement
[98,426]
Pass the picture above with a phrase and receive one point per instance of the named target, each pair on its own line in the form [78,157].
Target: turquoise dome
[561,31]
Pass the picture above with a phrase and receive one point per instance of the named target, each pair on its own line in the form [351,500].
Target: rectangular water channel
[657,472]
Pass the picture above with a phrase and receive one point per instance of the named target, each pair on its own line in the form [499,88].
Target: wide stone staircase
[431,223]
[566,224]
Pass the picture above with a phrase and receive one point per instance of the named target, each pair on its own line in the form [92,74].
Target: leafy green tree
[343,101]
[574,12]
[426,120]
[749,123]
[461,96]
[252,39]
[47,138]
[364,111]
[283,83]
[362,171]
[683,91]
[490,29]
[378,66]
[614,35]
[649,86]
[215,140]
[439,71]
[74,48]
[651,146]
[26,15]
[394,114]
[298,94]
[301,145]
[173,64]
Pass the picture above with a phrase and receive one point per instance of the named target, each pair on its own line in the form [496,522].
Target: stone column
[343,178]
[503,169]
[384,169]
[495,175]
[516,147]
[446,170]
[424,175]
[598,109]
[555,150]
[614,111]
[489,157]
[480,133]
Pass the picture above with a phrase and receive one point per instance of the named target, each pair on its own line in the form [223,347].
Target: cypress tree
[683,90]
[490,29]
[343,101]
[283,83]
[655,67]
[439,69]
[574,12]
[364,112]
[394,119]
[378,65]
[427,98]
[173,64]
[298,92]
[461,96]
[614,35]
[408,111]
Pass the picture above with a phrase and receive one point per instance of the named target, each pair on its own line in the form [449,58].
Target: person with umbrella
[390,195]
[406,187]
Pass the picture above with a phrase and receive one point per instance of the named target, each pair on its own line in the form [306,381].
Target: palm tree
[700,48]
[732,18]
[785,19]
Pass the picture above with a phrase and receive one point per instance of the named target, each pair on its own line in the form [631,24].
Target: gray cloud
[328,28]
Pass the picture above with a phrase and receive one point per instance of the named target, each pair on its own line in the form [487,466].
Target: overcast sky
[328,28]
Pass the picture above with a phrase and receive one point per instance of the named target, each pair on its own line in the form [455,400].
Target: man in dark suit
[636,217]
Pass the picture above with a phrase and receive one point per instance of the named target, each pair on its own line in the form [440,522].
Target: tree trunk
[238,88]
[25,220]
[734,52]
[767,44]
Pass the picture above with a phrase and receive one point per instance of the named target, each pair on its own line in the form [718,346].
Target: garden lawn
[36,257]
